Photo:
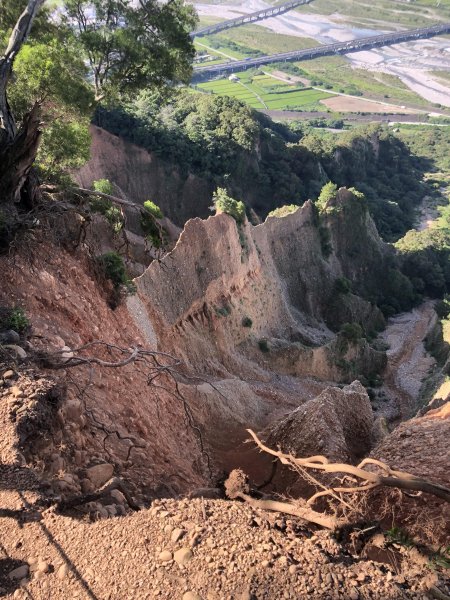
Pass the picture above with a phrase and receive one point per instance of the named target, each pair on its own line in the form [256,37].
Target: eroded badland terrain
[250,404]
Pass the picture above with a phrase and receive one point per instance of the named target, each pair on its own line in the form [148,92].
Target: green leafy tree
[327,193]
[225,204]
[87,51]
[130,46]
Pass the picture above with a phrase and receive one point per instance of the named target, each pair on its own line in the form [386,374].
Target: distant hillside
[209,141]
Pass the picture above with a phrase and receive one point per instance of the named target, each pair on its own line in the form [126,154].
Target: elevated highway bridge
[366,43]
[271,11]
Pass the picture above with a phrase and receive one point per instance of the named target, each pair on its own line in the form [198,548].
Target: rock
[191,596]
[63,571]
[19,573]
[9,337]
[44,567]
[337,423]
[9,374]
[183,556]
[18,350]
[66,353]
[165,556]
[86,486]
[100,474]
[177,534]
[118,497]
[16,392]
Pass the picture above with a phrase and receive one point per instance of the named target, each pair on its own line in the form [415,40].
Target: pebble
[177,534]
[19,573]
[8,374]
[165,556]
[63,571]
[191,596]
[183,556]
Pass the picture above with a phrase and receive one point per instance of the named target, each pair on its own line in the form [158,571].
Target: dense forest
[269,164]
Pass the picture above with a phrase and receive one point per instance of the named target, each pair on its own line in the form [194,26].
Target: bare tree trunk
[18,147]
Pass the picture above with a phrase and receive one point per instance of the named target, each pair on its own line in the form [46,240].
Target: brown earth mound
[337,424]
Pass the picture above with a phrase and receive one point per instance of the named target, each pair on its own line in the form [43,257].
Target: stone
[63,571]
[9,337]
[118,497]
[18,350]
[100,474]
[183,556]
[87,486]
[8,374]
[16,392]
[19,573]
[165,556]
[191,596]
[177,534]
[66,353]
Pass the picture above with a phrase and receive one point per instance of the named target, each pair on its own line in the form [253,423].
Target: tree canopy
[130,46]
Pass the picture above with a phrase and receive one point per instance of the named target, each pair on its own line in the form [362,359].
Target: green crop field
[268,42]
[264,91]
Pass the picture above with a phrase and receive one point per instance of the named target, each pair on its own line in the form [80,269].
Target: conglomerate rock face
[337,424]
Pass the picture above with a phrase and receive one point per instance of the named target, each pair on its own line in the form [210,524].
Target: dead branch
[237,486]
[388,477]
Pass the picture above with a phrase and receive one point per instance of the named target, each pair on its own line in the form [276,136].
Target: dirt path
[408,361]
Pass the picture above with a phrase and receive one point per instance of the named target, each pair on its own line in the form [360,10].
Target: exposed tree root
[237,485]
[369,479]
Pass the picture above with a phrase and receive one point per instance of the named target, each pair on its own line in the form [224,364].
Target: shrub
[112,213]
[443,307]
[104,186]
[264,345]
[152,230]
[247,322]
[326,194]
[283,211]
[342,285]
[113,268]
[153,209]
[225,204]
[351,331]
[14,318]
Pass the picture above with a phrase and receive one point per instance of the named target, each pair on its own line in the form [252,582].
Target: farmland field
[264,91]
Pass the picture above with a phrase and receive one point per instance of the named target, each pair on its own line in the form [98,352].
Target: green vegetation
[283,211]
[113,269]
[351,332]
[263,345]
[153,209]
[261,90]
[420,13]
[327,193]
[64,60]
[338,74]
[269,164]
[153,231]
[443,307]
[247,322]
[225,204]
[261,39]
[13,318]
[342,285]
[106,207]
